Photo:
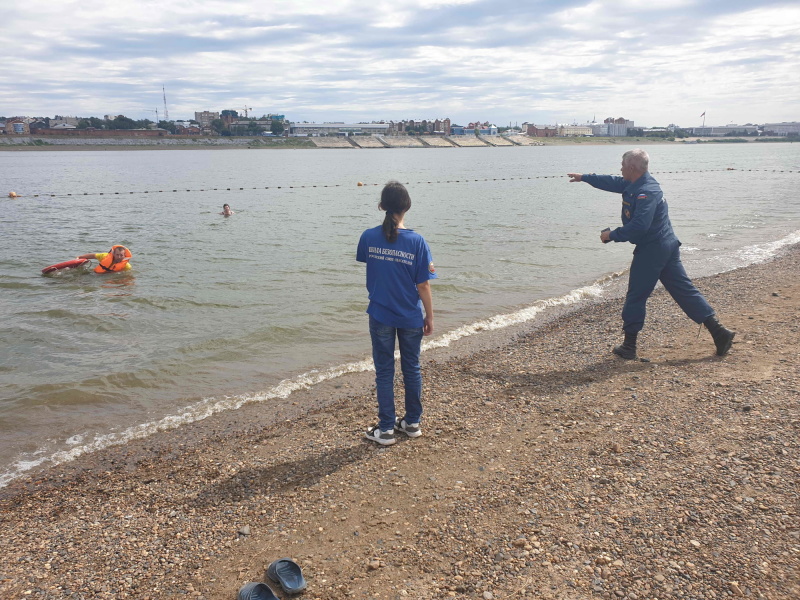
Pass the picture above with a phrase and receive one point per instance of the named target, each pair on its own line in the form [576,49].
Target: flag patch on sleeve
[641,196]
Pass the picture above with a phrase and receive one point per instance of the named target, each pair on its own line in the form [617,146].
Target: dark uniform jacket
[645,218]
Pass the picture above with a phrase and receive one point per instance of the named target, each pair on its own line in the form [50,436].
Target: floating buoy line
[362,184]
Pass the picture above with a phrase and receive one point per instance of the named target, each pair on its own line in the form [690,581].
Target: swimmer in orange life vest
[114,260]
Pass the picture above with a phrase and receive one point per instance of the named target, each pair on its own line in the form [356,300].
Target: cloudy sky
[506,61]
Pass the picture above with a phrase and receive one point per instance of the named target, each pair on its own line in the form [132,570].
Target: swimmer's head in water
[119,253]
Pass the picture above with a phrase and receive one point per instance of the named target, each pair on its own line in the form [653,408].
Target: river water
[221,311]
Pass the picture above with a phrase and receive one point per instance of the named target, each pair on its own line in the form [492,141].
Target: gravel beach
[548,468]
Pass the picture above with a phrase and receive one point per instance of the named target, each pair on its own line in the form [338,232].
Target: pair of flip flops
[285,572]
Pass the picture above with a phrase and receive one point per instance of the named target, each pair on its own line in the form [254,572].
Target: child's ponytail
[389,227]
[395,201]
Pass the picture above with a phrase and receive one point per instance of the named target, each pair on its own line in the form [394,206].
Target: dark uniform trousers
[660,261]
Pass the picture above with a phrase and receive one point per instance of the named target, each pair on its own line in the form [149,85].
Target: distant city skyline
[65,116]
[553,61]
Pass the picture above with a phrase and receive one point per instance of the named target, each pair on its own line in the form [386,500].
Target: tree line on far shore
[254,127]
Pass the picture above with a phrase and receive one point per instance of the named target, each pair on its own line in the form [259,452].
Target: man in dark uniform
[645,223]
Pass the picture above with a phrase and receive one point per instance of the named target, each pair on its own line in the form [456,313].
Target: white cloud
[499,60]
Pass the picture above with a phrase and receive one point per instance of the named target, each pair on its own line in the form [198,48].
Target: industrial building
[344,129]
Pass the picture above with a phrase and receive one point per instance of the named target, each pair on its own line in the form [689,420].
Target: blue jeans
[410,340]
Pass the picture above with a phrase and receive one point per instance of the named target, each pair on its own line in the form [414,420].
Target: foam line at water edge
[595,290]
[196,412]
[749,255]
[758,253]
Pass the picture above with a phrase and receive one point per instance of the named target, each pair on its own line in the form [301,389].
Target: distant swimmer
[112,261]
[226,211]
[646,224]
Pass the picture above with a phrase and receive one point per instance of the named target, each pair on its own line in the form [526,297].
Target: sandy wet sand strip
[547,469]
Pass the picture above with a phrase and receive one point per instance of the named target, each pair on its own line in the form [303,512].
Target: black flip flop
[256,591]
[286,573]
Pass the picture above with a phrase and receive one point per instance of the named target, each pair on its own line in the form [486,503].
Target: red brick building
[110,133]
[542,130]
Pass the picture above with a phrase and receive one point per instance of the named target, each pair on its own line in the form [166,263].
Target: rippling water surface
[219,311]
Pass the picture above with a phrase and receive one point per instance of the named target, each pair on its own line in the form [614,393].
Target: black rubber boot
[627,349]
[723,338]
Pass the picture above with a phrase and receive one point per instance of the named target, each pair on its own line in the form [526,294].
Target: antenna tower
[166,114]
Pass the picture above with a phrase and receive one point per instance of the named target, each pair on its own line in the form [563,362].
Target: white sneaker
[384,438]
[412,430]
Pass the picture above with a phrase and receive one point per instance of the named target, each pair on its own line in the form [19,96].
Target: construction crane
[166,113]
[245,109]
[152,110]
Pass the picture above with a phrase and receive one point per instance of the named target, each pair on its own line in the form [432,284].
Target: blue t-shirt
[393,272]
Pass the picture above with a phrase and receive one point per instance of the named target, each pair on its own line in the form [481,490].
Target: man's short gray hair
[638,159]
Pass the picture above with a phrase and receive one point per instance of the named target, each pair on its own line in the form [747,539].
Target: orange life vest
[105,265]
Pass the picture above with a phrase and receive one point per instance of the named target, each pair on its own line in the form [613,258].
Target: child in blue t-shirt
[399,267]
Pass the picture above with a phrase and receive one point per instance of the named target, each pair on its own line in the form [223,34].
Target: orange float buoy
[12,195]
[360,184]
